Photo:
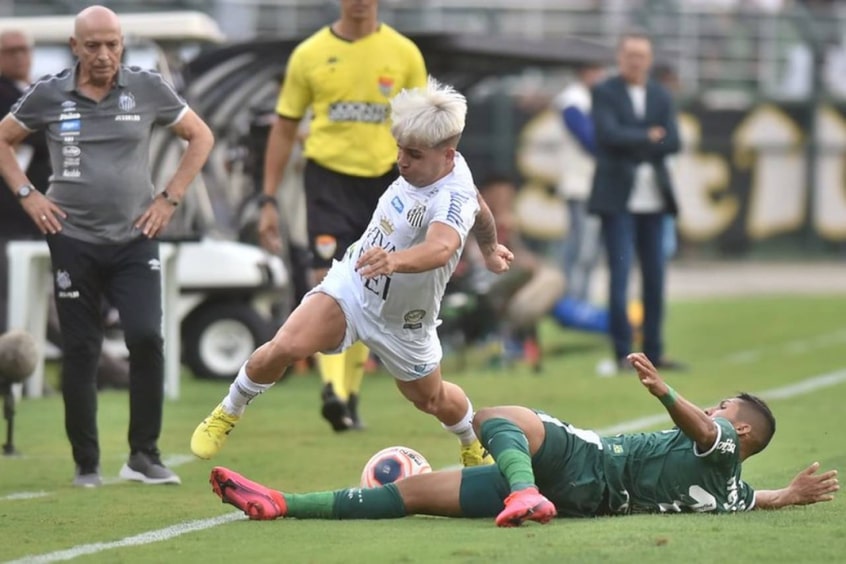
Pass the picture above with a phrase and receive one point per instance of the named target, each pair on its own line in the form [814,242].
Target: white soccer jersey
[412,301]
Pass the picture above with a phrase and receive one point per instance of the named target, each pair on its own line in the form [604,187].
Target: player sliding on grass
[387,290]
[545,467]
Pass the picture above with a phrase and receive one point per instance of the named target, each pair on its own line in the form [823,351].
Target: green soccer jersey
[664,472]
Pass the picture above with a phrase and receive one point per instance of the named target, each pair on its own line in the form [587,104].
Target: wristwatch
[168,198]
[265,199]
[25,191]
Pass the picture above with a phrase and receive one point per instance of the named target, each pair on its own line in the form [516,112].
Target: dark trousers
[129,276]
[625,234]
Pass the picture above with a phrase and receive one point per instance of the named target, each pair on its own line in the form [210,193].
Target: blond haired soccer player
[546,467]
[345,74]
[387,289]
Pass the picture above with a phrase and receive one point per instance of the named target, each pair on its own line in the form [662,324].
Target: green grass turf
[731,345]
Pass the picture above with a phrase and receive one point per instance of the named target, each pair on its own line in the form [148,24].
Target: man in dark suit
[15,68]
[635,124]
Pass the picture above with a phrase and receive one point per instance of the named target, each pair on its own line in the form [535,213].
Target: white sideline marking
[796,347]
[144,538]
[24,495]
[799,388]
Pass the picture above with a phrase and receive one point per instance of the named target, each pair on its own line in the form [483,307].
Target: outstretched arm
[692,421]
[806,487]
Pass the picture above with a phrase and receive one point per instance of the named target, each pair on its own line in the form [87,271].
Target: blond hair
[430,116]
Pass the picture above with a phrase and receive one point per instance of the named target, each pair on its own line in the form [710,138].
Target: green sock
[353,503]
[510,448]
[316,505]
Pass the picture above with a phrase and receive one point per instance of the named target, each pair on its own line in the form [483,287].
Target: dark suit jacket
[622,144]
[14,223]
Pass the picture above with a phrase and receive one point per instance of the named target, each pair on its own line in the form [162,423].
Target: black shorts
[339,207]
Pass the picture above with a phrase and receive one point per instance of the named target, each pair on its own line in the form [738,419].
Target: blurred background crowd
[760,88]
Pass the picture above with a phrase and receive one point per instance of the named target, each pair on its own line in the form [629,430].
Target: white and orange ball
[392,464]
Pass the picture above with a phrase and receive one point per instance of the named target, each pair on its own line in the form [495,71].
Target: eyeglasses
[15,50]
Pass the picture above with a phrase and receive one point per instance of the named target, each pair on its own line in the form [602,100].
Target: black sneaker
[147,469]
[334,410]
[87,477]
[352,408]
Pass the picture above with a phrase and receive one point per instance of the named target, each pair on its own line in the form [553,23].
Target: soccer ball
[392,464]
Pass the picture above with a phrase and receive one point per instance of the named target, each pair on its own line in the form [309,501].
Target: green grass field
[752,344]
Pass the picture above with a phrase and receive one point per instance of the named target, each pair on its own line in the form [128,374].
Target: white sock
[241,392]
[464,428]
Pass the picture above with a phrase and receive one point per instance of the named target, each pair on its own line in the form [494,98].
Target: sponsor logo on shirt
[733,501]
[423,368]
[456,201]
[71,151]
[70,126]
[69,115]
[397,203]
[127,117]
[363,112]
[155,264]
[70,161]
[68,104]
[386,226]
[71,173]
[413,319]
[726,446]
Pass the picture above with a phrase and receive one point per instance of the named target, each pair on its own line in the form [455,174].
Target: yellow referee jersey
[348,85]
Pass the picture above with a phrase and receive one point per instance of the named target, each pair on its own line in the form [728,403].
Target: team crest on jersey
[126,101]
[386,85]
[416,214]
[325,245]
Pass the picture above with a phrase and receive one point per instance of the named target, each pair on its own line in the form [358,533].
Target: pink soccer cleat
[524,505]
[258,502]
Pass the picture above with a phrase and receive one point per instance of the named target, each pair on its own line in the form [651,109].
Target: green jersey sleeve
[725,451]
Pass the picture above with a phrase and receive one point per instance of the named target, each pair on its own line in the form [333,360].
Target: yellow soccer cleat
[475,454]
[209,436]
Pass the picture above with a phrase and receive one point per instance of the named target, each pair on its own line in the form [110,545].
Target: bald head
[15,54]
[96,18]
[97,43]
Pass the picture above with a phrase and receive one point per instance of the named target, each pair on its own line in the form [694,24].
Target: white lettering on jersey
[401,221]
[726,446]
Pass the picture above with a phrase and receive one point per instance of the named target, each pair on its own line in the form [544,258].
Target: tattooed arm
[497,257]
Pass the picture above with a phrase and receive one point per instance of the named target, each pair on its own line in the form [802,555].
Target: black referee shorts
[339,207]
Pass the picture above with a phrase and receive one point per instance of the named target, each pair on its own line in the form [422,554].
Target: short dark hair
[757,413]
[634,33]
[494,178]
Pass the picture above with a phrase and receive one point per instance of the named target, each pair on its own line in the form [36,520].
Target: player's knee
[288,348]
[429,404]
[480,417]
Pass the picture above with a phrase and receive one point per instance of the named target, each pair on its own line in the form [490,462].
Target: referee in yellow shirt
[345,74]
